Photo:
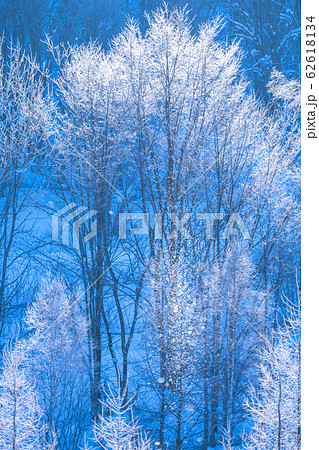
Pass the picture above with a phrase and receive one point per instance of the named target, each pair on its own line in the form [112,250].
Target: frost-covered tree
[274,407]
[174,320]
[115,428]
[233,324]
[24,130]
[91,159]
[227,440]
[22,425]
[57,352]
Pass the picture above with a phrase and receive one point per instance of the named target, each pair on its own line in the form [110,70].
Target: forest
[150,225]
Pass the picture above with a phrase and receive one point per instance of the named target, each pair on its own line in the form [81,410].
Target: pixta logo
[69,220]
[233,227]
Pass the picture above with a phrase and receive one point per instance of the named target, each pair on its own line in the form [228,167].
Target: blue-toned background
[164,312]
